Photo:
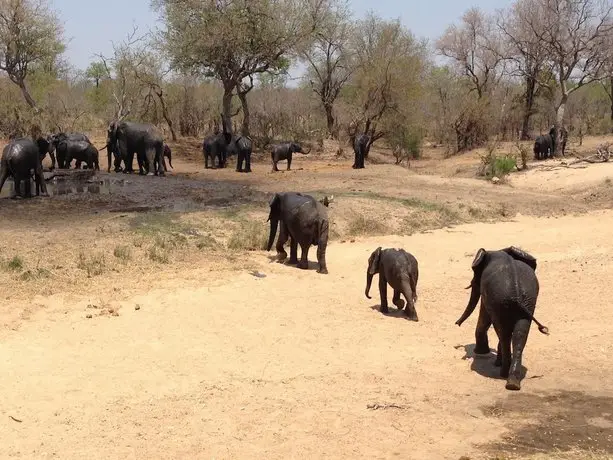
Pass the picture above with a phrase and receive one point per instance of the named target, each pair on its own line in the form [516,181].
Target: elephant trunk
[472,303]
[109,153]
[307,152]
[170,159]
[274,223]
[369,277]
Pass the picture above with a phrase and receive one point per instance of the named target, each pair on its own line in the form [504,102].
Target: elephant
[125,138]
[81,151]
[545,146]
[19,158]
[217,145]
[167,154]
[285,151]
[361,147]
[400,270]
[304,220]
[242,146]
[506,282]
[56,140]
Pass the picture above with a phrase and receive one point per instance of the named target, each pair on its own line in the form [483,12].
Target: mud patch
[560,422]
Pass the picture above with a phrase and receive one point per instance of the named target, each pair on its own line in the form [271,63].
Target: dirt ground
[142,319]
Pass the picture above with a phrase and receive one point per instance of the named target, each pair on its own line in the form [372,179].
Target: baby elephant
[398,268]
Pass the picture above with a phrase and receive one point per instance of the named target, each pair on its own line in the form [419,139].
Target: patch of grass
[361,225]
[170,241]
[94,264]
[123,253]
[503,165]
[249,236]
[207,242]
[158,254]
[16,264]
[30,275]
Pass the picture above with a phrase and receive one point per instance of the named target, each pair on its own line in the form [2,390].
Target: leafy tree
[30,36]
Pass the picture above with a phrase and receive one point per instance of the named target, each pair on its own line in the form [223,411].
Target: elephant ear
[479,258]
[373,261]
[518,254]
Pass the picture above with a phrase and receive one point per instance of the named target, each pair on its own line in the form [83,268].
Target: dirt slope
[287,366]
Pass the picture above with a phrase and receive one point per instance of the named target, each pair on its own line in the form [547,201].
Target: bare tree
[330,59]
[573,35]
[30,36]
[475,49]
[525,55]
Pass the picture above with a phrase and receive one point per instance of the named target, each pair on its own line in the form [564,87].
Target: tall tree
[30,36]
[232,40]
[330,59]
[573,35]
[389,72]
[96,71]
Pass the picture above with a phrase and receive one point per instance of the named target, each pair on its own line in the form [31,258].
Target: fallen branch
[383,406]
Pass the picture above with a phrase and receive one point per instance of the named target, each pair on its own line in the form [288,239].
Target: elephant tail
[542,328]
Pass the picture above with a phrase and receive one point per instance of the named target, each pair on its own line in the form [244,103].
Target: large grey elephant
[304,220]
[127,138]
[506,282]
[63,144]
[216,146]
[19,158]
[284,151]
[400,270]
[545,146]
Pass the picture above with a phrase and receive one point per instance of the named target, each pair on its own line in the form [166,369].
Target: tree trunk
[611,90]
[227,104]
[160,95]
[246,115]
[529,103]
[330,119]
[559,123]
[27,96]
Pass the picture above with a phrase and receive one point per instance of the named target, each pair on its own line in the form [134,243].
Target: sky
[91,26]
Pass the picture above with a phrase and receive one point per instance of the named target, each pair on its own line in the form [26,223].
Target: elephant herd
[504,280]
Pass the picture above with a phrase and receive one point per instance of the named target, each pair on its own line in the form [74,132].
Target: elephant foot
[498,362]
[411,316]
[384,310]
[399,304]
[248,170]
[303,265]
[482,350]
[322,271]
[282,255]
[513,383]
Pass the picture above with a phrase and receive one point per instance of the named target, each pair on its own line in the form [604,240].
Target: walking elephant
[506,282]
[19,158]
[400,270]
[216,146]
[242,146]
[284,151]
[125,138]
[361,147]
[304,221]
[57,140]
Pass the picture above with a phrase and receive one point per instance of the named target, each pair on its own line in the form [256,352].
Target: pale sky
[91,26]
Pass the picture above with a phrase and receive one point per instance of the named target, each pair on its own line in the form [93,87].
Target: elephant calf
[506,282]
[400,270]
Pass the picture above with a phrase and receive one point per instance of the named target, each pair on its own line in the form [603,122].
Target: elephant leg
[248,162]
[304,258]
[505,349]
[40,181]
[4,174]
[289,162]
[283,237]
[274,166]
[482,345]
[519,338]
[383,293]
[396,300]
[239,162]
[498,362]
[293,251]
[409,311]
[28,185]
